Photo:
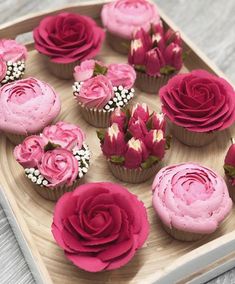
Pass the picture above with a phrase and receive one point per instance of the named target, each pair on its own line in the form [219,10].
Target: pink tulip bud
[155,143]
[154,62]
[173,56]
[230,156]
[171,36]
[137,128]
[118,117]
[158,39]
[114,142]
[140,111]
[158,121]
[136,153]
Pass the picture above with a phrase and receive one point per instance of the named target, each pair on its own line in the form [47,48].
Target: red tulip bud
[136,153]
[155,143]
[171,36]
[154,62]
[158,39]
[118,117]
[137,128]
[173,56]
[140,111]
[158,121]
[114,143]
[230,156]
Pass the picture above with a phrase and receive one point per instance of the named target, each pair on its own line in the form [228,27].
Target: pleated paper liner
[138,175]
[118,44]
[151,84]
[15,138]
[231,188]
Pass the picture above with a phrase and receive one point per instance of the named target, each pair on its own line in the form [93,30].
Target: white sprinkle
[128,97]
[30,176]
[36,173]
[115,89]
[107,107]
[8,72]
[45,182]
[40,177]
[31,170]
[26,170]
[84,170]
[125,100]
[132,90]
[115,99]
[120,88]
[121,103]
[123,96]
[39,181]
[110,102]
[34,179]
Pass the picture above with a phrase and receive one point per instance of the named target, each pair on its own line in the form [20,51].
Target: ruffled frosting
[10,50]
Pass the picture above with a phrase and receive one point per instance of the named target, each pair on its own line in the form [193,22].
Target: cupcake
[134,144]
[122,18]
[199,106]
[229,168]
[65,40]
[12,60]
[99,89]
[56,160]
[190,200]
[26,107]
[156,55]
[100,226]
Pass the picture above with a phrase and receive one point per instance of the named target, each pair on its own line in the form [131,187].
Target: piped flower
[156,143]
[140,111]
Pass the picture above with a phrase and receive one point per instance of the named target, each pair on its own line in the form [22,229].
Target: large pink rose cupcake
[99,89]
[199,105]
[100,226]
[229,168]
[66,39]
[156,55]
[12,60]
[134,144]
[190,200]
[26,107]
[56,160]
[122,18]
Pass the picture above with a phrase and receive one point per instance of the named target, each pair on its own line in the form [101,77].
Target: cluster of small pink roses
[156,52]
[135,138]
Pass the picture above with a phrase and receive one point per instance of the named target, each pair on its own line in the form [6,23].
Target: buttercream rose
[96,92]
[100,226]
[124,17]
[68,37]
[59,167]
[121,74]
[30,151]
[3,69]
[199,101]
[67,135]
[12,51]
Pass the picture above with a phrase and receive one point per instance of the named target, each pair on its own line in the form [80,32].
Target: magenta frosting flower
[199,101]
[100,226]
[30,151]
[59,167]
[3,69]
[10,50]
[67,135]
[136,153]
[68,37]
[96,92]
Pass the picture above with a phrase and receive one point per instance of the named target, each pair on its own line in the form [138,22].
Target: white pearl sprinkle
[115,89]
[120,88]
[30,176]
[31,170]
[36,173]
[39,181]
[45,182]
[34,179]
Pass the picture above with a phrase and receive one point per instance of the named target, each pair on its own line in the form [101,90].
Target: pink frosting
[3,69]
[67,135]
[27,106]
[124,17]
[85,70]
[191,198]
[121,74]
[10,50]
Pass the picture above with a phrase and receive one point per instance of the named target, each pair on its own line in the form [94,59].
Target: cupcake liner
[150,84]
[182,235]
[133,175]
[231,189]
[15,138]
[118,44]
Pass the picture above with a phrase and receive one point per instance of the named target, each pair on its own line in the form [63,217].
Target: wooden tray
[163,259]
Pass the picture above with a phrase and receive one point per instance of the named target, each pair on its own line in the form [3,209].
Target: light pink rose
[10,50]
[67,135]
[59,167]
[3,69]
[96,92]
[121,74]
[30,151]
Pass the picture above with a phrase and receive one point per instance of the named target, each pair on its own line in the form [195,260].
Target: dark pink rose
[137,128]
[96,92]
[154,62]
[30,151]
[119,117]
[10,50]
[155,143]
[59,167]
[199,101]
[140,111]
[136,153]
[100,226]
[3,69]
[68,37]
[67,135]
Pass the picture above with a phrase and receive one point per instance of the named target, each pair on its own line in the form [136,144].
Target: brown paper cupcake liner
[231,188]
[133,175]
[118,44]
[15,138]
[150,84]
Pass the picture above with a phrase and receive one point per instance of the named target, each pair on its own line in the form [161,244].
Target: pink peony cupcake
[99,89]
[100,226]
[229,168]
[199,106]
[134,144]
[12,60]
[56,160]
[26,107]
[66,39]
[156,56]
[122,18]
[190,200]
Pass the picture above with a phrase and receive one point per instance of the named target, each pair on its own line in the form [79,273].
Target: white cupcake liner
[120,45]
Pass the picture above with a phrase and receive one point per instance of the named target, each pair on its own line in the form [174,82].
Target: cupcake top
[190,198]
[199,101]
[156,52]
[229,164]
[100,226]
[135,139]
[56,157]
[27,105]
[68,37]
[103,86]
[122,17]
